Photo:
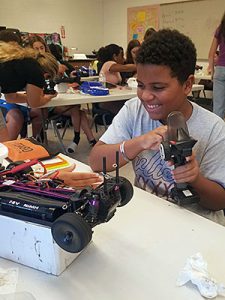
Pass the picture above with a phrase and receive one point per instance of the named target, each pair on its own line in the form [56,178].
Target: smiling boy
[165,68]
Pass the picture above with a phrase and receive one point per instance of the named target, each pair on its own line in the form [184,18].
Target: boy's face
[160,93]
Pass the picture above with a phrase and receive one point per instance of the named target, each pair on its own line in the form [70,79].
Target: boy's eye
[158,87]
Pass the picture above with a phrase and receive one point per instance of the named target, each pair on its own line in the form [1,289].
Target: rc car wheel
[126,190]
[71,232]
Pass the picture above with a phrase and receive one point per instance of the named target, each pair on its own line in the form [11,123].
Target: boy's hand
[153,138]
[189,172]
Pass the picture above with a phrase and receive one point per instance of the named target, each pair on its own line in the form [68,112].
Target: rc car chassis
[70,213]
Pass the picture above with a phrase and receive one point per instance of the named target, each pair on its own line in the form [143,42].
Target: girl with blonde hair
[20,69]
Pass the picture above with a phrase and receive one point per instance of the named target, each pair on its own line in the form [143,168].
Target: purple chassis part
[59,193]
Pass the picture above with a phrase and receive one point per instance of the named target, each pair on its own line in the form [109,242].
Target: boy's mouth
[152,107]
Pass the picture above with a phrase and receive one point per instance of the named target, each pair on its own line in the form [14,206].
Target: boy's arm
[131,148]
[212,194]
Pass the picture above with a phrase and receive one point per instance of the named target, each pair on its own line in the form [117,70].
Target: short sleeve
[16,74]
[120,129]
[33,72]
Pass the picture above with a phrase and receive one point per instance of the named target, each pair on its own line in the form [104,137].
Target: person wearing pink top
[218,71]
[111,77]
[111,64]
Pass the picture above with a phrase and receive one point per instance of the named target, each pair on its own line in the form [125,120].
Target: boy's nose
[147,95]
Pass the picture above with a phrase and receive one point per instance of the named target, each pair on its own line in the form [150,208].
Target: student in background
[165,74]
[111,58]
[78,117]
[19,69]
[3,129]
[208,83]
[15,117]
[22,69]
[149,32]
[37,43]
[111,64]
[218,71]
[131,53]
[57,52]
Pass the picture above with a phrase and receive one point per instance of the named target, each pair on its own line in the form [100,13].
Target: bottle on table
[90,70]
[102,79]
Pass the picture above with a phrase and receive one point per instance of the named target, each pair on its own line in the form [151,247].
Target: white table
[78,98]
[136,255]
[114,95]
[197,87]
[200,76]
[90,78]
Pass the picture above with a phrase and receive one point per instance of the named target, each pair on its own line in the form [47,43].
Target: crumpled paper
[8,280]
[195,270]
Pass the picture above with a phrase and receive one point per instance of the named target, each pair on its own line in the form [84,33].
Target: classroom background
[87,24]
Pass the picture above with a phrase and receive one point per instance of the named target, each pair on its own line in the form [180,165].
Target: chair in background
[54,121]
[101,116]
[205,102]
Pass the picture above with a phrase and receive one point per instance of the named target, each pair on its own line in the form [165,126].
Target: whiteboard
[197,19]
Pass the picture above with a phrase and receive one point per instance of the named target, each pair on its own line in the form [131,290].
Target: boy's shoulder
[133,102]
[199,111]
[204,119]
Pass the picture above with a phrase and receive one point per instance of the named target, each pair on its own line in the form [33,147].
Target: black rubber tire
[126,190]
[71,232]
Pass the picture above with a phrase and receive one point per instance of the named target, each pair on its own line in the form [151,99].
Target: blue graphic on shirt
[153,174]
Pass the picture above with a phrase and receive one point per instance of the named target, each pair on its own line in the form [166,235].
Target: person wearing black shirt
[23,69]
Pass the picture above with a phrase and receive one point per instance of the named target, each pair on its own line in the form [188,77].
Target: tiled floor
[83,149]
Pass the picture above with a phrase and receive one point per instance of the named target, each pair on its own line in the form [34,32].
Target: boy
[165,67]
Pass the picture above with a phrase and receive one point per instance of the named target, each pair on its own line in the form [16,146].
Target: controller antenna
[104,174]
[117,167]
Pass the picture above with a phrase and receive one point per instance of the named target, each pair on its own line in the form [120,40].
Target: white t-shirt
[151,172]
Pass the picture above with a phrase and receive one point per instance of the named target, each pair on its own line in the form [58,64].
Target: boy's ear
[188,84]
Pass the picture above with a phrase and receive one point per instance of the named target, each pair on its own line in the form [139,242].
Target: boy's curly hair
[172,49]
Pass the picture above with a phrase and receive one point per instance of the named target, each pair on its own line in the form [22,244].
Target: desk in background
[77,63]
[78,98]
[90,78]
[199,76]
[136,255]
[114,95]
